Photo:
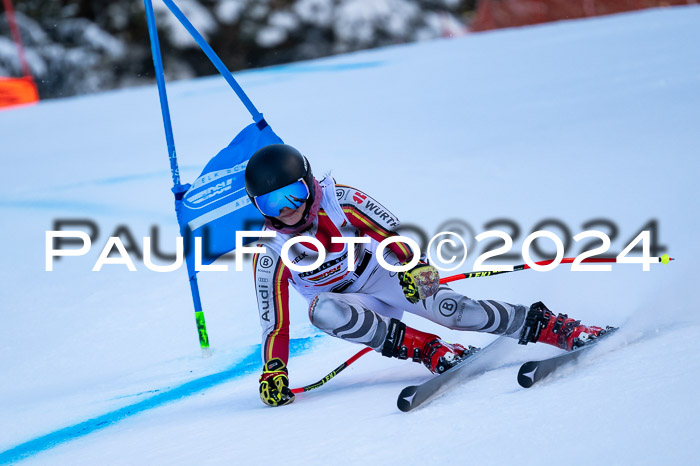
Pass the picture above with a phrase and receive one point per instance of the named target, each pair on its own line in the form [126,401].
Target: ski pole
[333,373]
[516,268]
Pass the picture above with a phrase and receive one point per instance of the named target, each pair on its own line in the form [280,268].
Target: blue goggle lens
[292,196]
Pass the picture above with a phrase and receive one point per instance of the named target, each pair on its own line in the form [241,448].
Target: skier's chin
[293,217]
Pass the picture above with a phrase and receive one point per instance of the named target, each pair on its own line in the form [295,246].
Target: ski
[477,362]
[532,372]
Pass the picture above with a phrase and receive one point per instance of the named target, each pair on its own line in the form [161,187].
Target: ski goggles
[292,196]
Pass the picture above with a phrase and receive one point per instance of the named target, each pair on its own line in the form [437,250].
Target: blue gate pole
[216,61]
[178,189]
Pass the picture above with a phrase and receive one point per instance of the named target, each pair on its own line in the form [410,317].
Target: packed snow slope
[576,121]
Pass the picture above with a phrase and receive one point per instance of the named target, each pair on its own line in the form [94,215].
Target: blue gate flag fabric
[216,205]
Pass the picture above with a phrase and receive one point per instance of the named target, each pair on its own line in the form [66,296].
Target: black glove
[421,282]
[274,384]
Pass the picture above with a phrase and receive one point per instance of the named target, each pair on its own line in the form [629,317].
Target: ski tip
[526,374]
[405,401]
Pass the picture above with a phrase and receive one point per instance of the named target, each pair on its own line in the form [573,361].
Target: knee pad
[326,312]
[345,319]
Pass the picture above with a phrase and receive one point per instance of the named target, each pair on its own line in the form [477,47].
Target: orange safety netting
[17,91]
[495,14]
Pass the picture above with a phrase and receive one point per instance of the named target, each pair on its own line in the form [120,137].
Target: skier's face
[291,216]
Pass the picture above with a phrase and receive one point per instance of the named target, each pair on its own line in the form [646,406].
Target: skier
[365,305]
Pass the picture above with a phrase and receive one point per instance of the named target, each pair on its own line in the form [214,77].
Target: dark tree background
[82,46]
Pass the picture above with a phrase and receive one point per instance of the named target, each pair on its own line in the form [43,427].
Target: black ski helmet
[276,166]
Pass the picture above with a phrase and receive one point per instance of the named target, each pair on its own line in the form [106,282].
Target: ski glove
[421,282]
[274,384]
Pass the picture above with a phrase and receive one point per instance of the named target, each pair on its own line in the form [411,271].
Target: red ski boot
[437,355]
[542,325]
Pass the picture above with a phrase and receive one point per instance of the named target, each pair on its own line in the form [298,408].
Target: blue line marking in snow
[111,180]
[51,204]
[135,394]
[243,367]
[274,74]
[319,67]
